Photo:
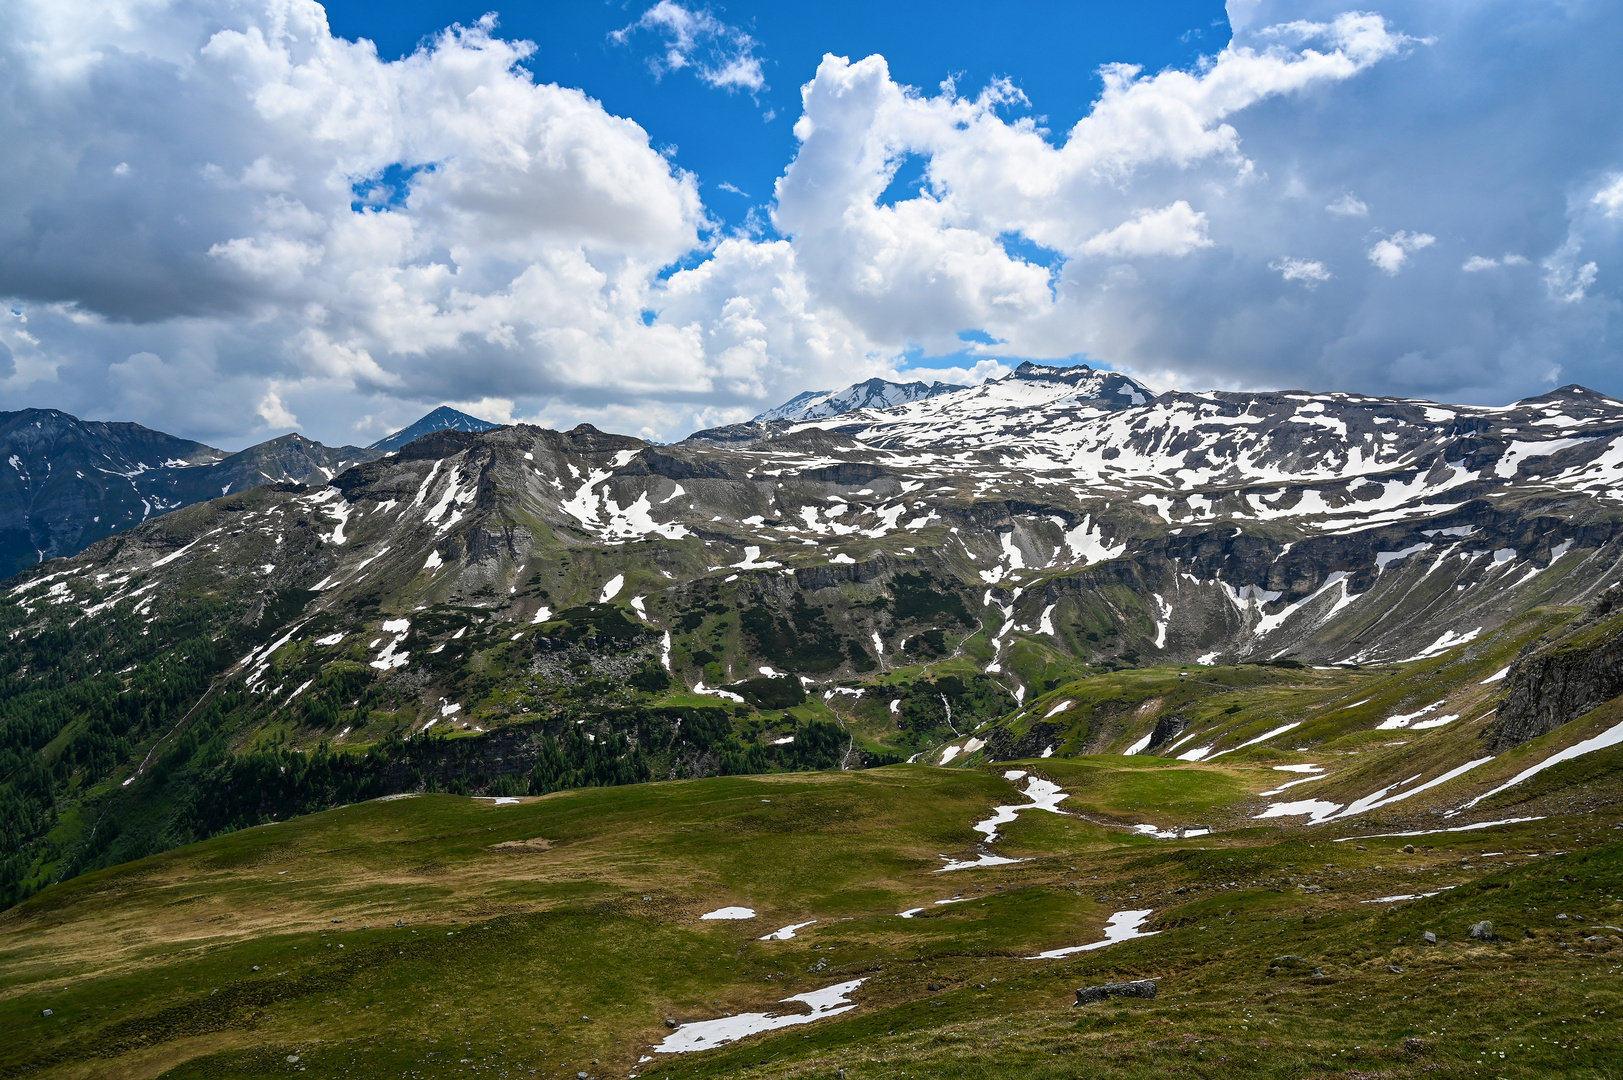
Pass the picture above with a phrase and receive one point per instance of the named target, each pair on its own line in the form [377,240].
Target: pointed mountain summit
[443,418]
[873,394]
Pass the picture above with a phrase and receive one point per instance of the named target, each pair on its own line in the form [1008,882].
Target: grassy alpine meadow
[553,936]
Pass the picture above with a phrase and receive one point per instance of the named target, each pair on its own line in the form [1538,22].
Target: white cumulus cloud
[1610,198]
[220,219]
[1390,253]
[1477,263]
[1567,279]
[431,228]
[1173,230]
[1348,205]
[972,375]
[920,269]
[275,413]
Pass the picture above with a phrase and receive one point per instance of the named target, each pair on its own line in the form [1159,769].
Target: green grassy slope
[438,935]
[444,936]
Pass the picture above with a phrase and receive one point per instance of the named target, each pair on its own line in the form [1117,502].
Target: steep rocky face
[1554,683]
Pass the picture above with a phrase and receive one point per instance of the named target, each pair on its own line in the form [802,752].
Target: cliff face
[1557,682]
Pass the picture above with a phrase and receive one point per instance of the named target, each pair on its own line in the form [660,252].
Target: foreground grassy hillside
[438,935]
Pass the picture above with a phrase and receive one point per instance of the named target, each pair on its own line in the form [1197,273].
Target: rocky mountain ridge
[941,580]
[871,394]
[69,482]
[1265,531]
[1029,384]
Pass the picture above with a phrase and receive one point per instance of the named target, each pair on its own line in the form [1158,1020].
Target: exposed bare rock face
[1556,682]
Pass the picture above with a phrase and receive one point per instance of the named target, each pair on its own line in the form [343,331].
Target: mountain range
[1056,521]
[72,482]
[1227,627]
[872,394]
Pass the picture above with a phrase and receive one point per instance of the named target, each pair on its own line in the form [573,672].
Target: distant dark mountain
[443,418]
[67,483]
[288,459]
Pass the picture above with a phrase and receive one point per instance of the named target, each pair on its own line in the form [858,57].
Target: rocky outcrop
[1559,683]
[829,575]
[653,463]
[845,474]
[1167,728]
[1139,988]
[1004,745]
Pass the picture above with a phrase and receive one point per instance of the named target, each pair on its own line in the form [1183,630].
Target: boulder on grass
[1142,988]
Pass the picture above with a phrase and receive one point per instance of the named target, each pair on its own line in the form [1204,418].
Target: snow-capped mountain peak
[1033,402]
[872,394]
[1107,388]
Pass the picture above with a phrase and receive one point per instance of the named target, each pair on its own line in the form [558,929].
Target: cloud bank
[218,219]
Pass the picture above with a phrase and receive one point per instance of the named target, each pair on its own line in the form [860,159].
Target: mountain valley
[1290,679]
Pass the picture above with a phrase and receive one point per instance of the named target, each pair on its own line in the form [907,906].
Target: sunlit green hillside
[438,935]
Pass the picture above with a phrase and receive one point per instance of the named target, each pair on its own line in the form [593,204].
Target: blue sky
[229,218]
[737,140]
[1052,52]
